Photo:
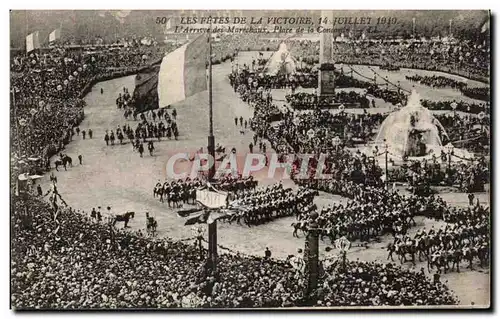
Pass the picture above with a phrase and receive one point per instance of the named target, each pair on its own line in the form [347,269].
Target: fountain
[281,62]
[412,131]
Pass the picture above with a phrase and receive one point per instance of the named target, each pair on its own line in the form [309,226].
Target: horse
[66,160]
[59,163]
[299,226]
[151,225]
[482,253]
[455,257]
[192,195]
[124,218]
[438,259]
[423,247]
[158,191]
[174,198]
[401,249]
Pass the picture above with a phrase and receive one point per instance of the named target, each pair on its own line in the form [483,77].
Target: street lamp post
[386,166]
[481,116]
[17,121]
[343,244]
[199,231]
[449,151]
[454,107]
[212,228]
[311,254]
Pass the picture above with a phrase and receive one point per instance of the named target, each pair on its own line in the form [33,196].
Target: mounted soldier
[151,225]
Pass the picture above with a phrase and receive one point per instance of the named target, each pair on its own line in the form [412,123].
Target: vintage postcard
[259,159]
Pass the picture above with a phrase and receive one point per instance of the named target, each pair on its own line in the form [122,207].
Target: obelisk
[326,76]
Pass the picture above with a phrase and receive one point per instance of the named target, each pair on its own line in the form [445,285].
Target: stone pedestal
[326,79]
[326,76]
[311,258]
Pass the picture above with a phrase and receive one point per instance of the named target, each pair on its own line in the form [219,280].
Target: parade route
[116,176]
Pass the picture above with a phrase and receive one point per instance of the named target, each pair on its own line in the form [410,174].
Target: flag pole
[212,228]
[17,122]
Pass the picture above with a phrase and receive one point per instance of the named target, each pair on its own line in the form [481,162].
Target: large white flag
[32,42]
[183,72]
[55,35]
[486,26]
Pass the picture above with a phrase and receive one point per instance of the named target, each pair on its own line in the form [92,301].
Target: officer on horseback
[151,224]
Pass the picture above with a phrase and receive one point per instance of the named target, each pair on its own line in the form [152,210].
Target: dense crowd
[474,108]
[467,176]
[305,101]
[47,89]
[437,81]
[375,284]
[479,93]
[462,57]
[86,264]
[315,132]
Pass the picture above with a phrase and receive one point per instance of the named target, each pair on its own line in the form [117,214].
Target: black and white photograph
[250,159]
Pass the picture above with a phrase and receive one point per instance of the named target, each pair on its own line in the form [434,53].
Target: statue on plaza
[412,131]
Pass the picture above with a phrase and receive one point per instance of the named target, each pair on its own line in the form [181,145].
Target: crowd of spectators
[389,67]
[436,81]
[462,57]
[47,89]
[315,131]
[306,101]
[479,93]
[467,176]
[86,264]
[474,108]
[376,284]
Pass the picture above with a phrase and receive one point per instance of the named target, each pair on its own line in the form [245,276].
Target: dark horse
[64,161]
[59,163]
[124,218]
[67,160]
